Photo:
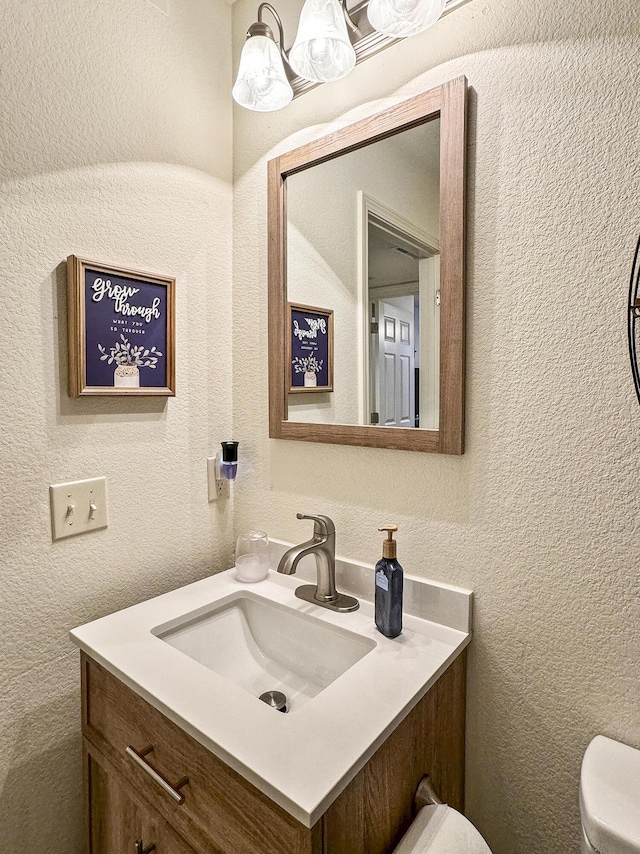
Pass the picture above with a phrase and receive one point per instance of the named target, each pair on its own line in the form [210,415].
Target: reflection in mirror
[366,227]
[403,296]
[362,240]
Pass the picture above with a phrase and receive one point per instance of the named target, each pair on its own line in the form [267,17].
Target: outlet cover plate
[71,511]
[218,487]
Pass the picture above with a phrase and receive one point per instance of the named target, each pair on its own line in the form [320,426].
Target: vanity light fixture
[262,83]
[402,18]
[322,51]
[329,42]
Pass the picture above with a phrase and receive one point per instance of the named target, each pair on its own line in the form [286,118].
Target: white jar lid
[610,796]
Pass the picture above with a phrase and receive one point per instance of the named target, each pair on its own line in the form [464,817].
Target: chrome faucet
[323,546]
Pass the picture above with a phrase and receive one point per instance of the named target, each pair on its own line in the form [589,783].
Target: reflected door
[396,366]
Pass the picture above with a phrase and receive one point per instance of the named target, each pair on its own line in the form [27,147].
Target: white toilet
[609,806]
[610,798]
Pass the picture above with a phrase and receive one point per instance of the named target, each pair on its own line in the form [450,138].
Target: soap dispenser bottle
[388,599]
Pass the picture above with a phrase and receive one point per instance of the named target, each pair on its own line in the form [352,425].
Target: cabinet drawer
[119,820]
[220,811]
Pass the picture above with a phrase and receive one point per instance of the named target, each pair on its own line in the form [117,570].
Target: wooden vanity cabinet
[128,810]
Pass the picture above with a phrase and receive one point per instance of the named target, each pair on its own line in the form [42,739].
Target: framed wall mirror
[367,229]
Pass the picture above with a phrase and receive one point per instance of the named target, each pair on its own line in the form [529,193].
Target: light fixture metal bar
[348,19]
[278,21]
[366,42]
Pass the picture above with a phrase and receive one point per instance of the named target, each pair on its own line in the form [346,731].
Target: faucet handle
[323,526]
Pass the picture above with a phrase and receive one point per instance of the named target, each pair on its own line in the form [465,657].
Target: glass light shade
[322,51]
[261,84]
[402,18]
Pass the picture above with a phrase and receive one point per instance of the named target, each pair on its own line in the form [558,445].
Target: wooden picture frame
[309,349]
[121,330]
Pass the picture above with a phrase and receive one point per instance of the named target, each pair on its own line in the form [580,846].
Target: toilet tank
[610,797]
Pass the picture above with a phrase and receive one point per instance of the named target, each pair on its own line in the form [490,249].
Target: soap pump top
[389,545]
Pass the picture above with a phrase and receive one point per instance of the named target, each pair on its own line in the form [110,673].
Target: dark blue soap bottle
[388,577]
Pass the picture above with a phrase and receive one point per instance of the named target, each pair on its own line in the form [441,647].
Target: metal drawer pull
[139,759]
[140,850]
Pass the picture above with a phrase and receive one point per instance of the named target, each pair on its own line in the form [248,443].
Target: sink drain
[275,699]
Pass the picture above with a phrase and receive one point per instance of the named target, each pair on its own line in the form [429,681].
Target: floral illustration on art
[310,367]
[128,360]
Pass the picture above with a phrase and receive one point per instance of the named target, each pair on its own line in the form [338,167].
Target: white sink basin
[262,646]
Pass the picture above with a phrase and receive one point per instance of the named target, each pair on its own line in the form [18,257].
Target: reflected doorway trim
[390,220]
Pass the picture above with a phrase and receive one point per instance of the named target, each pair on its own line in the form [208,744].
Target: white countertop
[301,761]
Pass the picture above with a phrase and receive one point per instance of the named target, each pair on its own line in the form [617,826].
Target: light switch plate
[78,506]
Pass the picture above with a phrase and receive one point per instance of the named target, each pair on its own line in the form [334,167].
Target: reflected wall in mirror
[369,222]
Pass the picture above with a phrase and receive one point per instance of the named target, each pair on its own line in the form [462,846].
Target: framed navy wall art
[310,348]
[121,330]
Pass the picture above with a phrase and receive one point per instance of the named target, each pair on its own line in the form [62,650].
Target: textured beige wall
[115,144]
[540,516]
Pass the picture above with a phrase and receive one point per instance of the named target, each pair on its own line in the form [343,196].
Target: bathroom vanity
[178,757]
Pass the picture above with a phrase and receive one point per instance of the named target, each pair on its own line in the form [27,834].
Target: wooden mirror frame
[448,103]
